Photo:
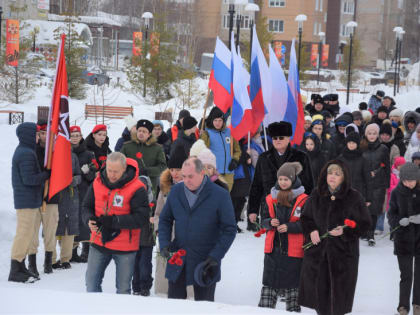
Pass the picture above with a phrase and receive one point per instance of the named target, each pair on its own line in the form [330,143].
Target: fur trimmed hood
[166,182]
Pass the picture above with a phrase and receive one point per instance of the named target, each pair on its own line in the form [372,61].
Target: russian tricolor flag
[242,119]
[221,77]
[260,85]
[293,82]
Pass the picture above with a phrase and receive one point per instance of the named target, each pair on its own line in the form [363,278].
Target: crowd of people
[189,187]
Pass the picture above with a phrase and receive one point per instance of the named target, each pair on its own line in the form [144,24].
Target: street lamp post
[231,14]
[321,40]
[1,12]
[351,26]
[399,60]
[147,16]
[397,30]
[252,8]
[300,19]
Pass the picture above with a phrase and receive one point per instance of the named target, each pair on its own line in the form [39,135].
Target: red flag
[58,153]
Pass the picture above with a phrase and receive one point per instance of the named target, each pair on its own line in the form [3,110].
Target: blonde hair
[335,168]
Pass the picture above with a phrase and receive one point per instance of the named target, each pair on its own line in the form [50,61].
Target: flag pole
[47,182]
[265,138]
[205,110]
[249,139]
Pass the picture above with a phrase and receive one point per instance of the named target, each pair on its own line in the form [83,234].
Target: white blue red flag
[221,77]
[242,119]
[293,82]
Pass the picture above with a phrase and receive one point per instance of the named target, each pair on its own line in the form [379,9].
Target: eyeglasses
[278,138]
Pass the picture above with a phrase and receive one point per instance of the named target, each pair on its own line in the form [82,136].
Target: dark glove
[47,173]
[233,165]
[106,220]
[97,222]
[209,265]
[165,253]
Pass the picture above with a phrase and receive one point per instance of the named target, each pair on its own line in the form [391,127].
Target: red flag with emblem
[58,153]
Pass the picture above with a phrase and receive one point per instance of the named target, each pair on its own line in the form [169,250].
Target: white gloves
[414,219]
[404,222]
[85,169]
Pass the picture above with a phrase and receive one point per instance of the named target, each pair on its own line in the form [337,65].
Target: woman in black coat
[98,142]
[404,211]
[378,165]
[312,147]
[358,167]
[327,147]
[329,269]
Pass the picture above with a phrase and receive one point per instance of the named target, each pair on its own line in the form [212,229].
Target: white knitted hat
[197,147]
[207,157]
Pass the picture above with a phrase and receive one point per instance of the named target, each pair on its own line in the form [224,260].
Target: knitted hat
[290,170]
[75,129]
[353,137]
[416,156]
[197,147]
[326,114]
[145,124]
[98,128]
[382,108]
[207,157]
[280,129]
[177,157]
[130,122]
[157,122]
[409,171]
[399,161]
[386,128]
[380,93]
[183,113]
[189,122]
[396,113]
[357,115]
[367,115]
[308,118]
[372,127]
[363,106]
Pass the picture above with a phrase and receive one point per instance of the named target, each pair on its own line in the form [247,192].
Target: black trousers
[406,269]
[178,290]
[238,205]
[371,233]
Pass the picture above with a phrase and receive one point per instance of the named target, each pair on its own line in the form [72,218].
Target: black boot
[17,274]
[48,262]
[85,252]
[32,265]
[75,257]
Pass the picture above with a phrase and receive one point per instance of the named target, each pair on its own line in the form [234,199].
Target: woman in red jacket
[284,240]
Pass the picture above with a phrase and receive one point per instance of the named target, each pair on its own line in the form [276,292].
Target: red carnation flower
[258,234]
[94,162]
[382,165]
[350,223]
[263,231]
[176,255]
[182,252]
[179,262]
[139,155]
[171,261]
[102,158]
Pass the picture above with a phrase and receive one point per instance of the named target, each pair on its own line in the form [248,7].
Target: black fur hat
[280,129]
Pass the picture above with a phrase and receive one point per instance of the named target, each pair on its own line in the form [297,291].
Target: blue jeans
[97,263]
[142,277]
[380,223]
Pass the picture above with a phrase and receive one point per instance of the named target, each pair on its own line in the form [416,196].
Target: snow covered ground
[237,293]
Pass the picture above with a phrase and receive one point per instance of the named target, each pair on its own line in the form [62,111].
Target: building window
[316,5]
[344,30]
[277,3]
[276,26]
[320,5]
[348,7]
[316,28]
[245,21]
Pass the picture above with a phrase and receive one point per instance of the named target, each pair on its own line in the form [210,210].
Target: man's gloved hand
[232,165]
[96,220]
[164,252]
[209,263]
[404,222]
[85,168]
[106,221]
[414,219]
[48,173]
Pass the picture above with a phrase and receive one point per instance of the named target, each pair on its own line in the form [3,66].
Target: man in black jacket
[269,162]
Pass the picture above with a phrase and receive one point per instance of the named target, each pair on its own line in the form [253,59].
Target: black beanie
[189,122]
[386,128]
[382,108]
[145,124]
[177,157]
[183,113]
[353,137]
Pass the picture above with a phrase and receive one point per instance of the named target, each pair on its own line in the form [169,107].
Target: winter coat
[405,202]
[266,174]
[101,153]
[165,142]
[40,152]
[327,146]
[172,132]
[333,109]
[165,186]
[377,121]
[377,161]
[374,103]
[339,142]
[205,230]
[243,176]
[317,158]
[394,152]
[127,201]
[395,179]
[68,204]
[399,141]
[413,146]
[359,171]
[407,116]
[329,270]
[27,177]
[330,129]
[184,141]
[125,136]
[219,182]
[149,156]
[219,142]
[85,157]
[281,265]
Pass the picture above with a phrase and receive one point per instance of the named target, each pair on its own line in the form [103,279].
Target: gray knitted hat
[290,170]
[409,171]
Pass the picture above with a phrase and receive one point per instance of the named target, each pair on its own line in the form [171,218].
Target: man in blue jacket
[205,228]
[27,182]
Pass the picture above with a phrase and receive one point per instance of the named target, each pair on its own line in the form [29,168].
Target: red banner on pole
[277,50]
[137,41]
[314,55]
[154,42]
[325,55]
[12,42]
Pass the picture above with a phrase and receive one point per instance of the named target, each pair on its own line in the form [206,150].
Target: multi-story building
[24,9]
